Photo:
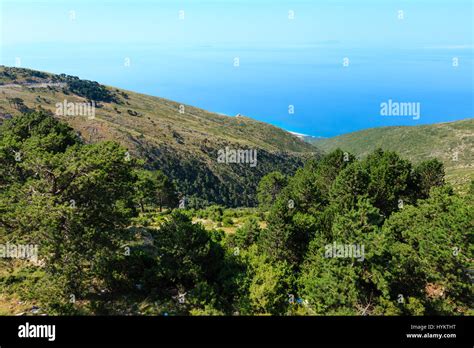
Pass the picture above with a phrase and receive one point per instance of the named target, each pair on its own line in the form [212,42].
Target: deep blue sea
[328,98]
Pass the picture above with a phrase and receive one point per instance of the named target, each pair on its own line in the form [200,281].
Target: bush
[227,221]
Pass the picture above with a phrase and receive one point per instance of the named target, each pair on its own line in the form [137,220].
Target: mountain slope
[181,140]
[451,142]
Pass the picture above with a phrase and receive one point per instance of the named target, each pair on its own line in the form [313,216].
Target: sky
[363,22]
[289,53]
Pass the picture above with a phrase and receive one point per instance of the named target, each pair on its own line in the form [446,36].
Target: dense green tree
[338,282]
[246,235]
[389,180]
[328,169]
[270,284]
[428,174]
[185,255]
[88,89]
[431,246]
[269,188]
[291,223]
[72,200]
[155,189]
[351,184]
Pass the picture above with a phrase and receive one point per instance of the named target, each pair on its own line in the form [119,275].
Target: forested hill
[181,140]
[450,142]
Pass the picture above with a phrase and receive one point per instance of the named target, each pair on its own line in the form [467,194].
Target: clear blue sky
[353,22]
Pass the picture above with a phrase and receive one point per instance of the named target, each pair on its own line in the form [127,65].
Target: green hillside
[181,140]
[451,142]
[86,230]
